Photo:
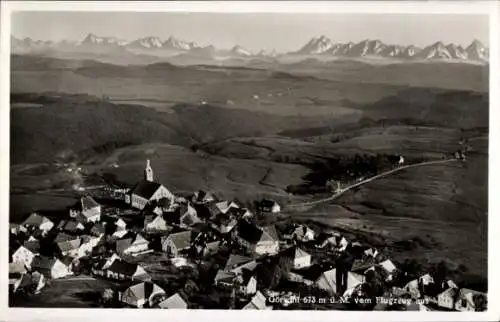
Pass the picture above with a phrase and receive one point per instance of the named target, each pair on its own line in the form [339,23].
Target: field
[261,132]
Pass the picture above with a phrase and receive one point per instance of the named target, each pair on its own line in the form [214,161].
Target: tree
[107,296]
[480,302]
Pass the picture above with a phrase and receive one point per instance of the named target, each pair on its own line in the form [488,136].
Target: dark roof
[98,229]
[311,273]
[267,203]
[70,225]
[146,189]
[249,232]
[123,244]
[35,220]
[62,237]
[67,260]
[43,262]
[181,240]
[123,267]
[88,203]
[33,246]
[203,211]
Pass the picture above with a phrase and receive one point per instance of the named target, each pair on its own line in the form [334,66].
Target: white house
[155,223]
[147,191]
[269,206]
[132,246]
[174,302]
[36,221]
[142,293]
[446,299]
[50,267]
[465,301]
[328,281]
[261,241]
[23,256]
[86,210]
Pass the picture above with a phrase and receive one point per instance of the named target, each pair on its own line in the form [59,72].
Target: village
[160,250]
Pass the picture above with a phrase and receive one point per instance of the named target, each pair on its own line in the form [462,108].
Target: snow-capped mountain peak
[96,40]
[240,51]
[174,43]
[317,45]
[147,42]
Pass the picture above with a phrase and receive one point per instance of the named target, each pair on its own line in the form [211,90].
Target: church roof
[146,189]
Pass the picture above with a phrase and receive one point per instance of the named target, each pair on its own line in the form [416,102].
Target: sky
[254,31]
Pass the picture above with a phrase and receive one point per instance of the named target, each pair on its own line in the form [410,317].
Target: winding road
[383,174]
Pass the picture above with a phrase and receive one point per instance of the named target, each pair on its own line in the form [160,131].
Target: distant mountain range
[320,47]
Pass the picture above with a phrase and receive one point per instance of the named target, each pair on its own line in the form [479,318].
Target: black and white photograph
[248,160]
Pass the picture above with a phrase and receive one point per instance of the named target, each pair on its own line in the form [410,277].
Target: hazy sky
[283,32]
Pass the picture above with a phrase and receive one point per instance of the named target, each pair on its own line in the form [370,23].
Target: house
[331,282]
[36,221]
[298,257]
[389,268]
[446,299]
[224,222]
[122,270]
[155,223]
[15,229]
[98,229]
[16,272]
[132,246]
[144,293]
[247,283]
[153,208]
[209,248]
[120,234]
[174,302]
[371,252]
[270,206]
[100,266]
[188,216]
[258,302]
[87,245]
[225,279]
[70,226]
[50,267]
[33,246]
[223,206]
[29,283]
[303,233]
[203,197]
[120,224]
[325,239]
[24,256]
[238,213]
[256,240]
[308,275]
[145,192]
[86,210]
[174,243]
[236,263]
[466,300]
[343,244]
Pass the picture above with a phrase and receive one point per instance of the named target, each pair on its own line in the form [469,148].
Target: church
[148,190]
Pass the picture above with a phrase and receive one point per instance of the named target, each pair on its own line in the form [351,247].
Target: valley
[251,133]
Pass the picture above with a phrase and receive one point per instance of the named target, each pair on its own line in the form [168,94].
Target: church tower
[148,172]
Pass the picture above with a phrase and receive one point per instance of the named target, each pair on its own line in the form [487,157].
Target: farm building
[141,294]
[256,240]
[50,267]
[174,302]
[24,256]
[36,221]
[174,243]
[86,210]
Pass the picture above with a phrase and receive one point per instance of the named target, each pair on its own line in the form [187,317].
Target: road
[383,174]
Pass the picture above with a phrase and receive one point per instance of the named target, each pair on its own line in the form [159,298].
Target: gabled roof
[203,196]
[146,189]
[69,245]
[43,262]
[450,292]
[223,276]
[33,246]
[226,205]
[269,233]
[70,225]
[123,267]
[35,220]
[88,202]
[174,302]
[236,260]
[249,232]
[181,240]
[16,268]
[388,265]
[145,290]
[62,237]
[258,302]
[98,229]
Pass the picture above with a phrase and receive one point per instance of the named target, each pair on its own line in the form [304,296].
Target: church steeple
[148,172]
